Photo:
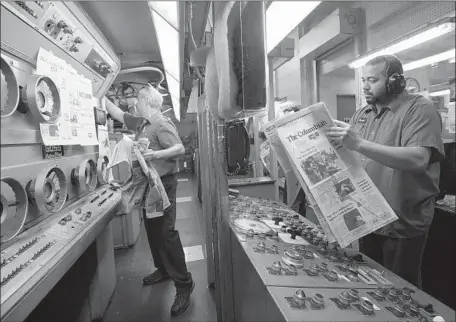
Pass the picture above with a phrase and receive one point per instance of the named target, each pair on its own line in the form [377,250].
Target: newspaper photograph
[347,199]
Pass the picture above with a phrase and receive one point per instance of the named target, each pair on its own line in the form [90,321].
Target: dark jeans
[402,256]
[164,240]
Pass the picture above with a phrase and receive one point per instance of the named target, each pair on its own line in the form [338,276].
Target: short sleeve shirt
[162,134]
[409,121]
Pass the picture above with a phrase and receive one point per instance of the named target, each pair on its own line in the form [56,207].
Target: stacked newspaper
[346,202]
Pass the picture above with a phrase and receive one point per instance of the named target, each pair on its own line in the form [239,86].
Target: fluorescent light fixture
[176,107]
[430,60]
[165,17]
[440,93]
[452,60]
[282,17]
[405,44]
[166,9]
[173,85]
[168,41]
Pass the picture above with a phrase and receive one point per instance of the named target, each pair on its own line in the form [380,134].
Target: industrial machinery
[278,277]
[55,199]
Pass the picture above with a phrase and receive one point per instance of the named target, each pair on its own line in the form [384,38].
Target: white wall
[331,86]
[288,81]
[287,77]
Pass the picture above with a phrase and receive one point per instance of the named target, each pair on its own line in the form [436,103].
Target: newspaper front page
[349,205]
[288,167]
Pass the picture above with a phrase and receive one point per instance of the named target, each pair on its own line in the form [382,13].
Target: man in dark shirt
[165,147]
[399,143]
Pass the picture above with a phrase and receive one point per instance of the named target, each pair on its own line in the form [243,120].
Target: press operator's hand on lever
[345,134]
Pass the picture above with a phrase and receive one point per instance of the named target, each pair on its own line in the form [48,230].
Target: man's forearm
[170,153]
[401,158]
[114,111]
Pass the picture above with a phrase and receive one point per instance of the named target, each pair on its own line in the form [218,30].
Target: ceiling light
[430,60]
[452,60]
[176,107]
[404,44]
[165,19]
[168,41]
[282,17]
[166,9]
[173,85]
[440,93]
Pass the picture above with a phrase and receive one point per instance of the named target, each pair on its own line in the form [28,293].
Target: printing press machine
[306,279]
[57,256]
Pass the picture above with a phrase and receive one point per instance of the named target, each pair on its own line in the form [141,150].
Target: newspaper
[288,167]
[142,186]
[76,124]
[265,155]
[349,205]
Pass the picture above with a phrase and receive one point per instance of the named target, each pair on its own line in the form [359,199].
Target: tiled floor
[134,302]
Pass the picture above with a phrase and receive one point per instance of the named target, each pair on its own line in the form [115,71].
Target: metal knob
[300,298]
[308,255]
[353,294]
[318,300]
[393,294]
[367,306]
[399,311]
[276,267]
[344,298]
[261,246]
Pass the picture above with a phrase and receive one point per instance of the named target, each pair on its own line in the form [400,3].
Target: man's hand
[344,133]
[152,155]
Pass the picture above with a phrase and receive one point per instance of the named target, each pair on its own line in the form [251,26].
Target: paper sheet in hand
[349,202]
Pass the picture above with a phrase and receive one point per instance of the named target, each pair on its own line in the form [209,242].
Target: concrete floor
[134,302]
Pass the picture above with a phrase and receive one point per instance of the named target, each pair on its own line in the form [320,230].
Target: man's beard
[383,100]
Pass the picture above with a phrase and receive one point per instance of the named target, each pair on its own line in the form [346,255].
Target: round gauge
[9,92]
[43,99]
[85,175]
[49,190]
[412,85]
[14,206]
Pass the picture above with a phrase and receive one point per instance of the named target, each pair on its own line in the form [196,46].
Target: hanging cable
[190,28]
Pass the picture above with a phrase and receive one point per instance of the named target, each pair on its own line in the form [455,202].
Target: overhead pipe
[145,69]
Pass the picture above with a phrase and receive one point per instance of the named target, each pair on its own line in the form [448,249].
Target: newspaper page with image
[287,166]
[349,201]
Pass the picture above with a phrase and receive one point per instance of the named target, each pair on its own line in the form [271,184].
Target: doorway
[346,107]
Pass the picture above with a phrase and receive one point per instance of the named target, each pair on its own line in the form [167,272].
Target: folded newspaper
[346,202]
[143,186]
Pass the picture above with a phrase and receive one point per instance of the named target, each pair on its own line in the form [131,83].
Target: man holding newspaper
[159,140]
[398,139]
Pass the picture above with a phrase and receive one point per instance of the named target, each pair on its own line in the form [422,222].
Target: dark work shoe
[182,299]
[155,277]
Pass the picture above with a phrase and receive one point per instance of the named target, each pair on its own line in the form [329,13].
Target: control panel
[33,253]
[352,304]
[69,28]
[281,264]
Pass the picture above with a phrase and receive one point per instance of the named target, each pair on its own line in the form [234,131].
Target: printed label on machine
[52,151]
